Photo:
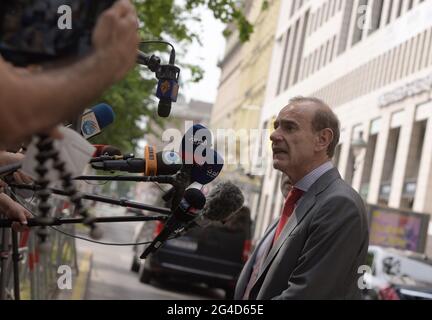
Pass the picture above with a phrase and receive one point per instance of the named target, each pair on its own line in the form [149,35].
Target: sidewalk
[80,281]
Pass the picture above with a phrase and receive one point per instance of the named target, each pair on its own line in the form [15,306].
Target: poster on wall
[399,229]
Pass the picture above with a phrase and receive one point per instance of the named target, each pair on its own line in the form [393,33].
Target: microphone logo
[89,125]
[164,87]
[212,173]
[171,158]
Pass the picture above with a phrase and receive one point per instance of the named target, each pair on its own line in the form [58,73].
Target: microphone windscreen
[223,201]
[195,198]
[104,114]
[164,108]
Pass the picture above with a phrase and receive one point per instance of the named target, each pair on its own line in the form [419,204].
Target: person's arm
[37,102]
[329,253]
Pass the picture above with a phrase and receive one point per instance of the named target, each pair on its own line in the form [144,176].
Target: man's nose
[275,136]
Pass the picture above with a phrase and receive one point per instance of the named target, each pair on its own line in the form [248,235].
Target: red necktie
[293,196]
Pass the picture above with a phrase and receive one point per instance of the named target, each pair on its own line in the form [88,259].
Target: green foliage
[134,98]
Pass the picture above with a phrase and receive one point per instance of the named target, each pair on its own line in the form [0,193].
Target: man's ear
[323,139]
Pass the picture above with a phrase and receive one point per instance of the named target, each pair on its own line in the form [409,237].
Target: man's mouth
[277,151]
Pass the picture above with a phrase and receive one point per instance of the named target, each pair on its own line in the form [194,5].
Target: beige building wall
[244,73]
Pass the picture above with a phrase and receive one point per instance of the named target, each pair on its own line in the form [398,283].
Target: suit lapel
[297,216]
[244,277]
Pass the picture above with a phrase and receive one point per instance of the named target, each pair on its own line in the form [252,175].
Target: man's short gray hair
[324,118]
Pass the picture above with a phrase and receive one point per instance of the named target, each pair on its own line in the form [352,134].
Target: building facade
[241,92]
[371,61]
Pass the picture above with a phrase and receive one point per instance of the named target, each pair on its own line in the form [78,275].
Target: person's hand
[115,38]
[14,211]
[3,185]
[10,158]
[21,178]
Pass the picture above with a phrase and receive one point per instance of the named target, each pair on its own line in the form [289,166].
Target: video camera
[32,32]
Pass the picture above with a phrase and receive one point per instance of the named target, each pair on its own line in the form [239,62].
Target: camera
[31,31]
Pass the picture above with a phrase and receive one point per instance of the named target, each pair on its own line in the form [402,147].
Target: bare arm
[36,102]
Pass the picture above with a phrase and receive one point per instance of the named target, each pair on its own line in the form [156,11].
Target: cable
[95,184]
[172,54]
[100,242]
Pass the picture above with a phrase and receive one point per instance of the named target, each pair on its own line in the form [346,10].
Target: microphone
[208,168]
[153,62]
[167,89]
[196,168]
[167,163]
[197,138]
[93,121]
[223,201]
[193,201]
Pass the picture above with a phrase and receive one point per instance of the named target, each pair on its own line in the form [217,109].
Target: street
[111,277]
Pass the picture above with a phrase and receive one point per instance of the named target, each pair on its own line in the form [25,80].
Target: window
[376,15]
[358,31]
[389,13]
[399,10]
[285,38]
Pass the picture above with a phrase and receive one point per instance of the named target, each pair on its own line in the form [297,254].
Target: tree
[133,99]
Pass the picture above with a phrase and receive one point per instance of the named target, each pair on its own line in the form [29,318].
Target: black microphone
[167,163]
[152,62]
[168,76]
[188,210]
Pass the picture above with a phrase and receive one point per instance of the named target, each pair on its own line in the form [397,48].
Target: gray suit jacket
[320,249]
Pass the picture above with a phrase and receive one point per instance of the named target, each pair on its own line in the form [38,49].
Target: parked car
[397,275]
[214,255]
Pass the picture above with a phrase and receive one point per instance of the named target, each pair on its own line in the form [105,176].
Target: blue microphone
[167,89]
[96,119]
[206,170]
[196,141]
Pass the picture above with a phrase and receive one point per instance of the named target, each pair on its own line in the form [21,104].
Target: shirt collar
[308,180]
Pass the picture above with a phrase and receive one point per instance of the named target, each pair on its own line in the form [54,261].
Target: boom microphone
[193,201]
[223,201]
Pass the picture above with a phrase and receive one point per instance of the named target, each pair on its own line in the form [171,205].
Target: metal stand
[39,222]
[87,196]
[15,261]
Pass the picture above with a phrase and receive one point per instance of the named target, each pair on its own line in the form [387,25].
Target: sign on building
[399,229]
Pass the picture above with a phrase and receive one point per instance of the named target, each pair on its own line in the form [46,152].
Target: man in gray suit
[316,247]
